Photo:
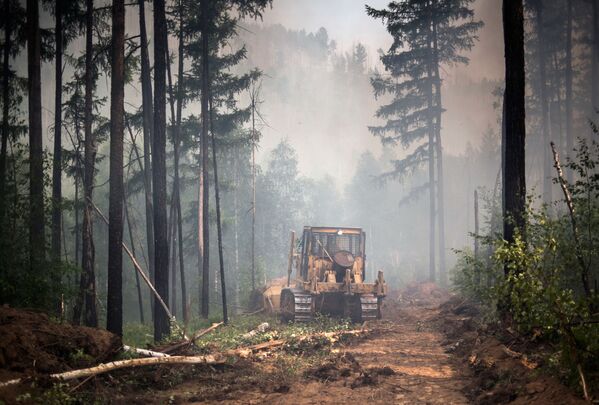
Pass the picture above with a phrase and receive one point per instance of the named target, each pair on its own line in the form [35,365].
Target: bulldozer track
[369,307]
[296,305]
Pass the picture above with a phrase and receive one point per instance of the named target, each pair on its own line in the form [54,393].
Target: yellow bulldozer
[329,266]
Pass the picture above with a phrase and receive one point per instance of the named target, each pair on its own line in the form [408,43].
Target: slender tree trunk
[132,243]
[77,225]
[200,237]
[57,163]
[205,219]
[439,151]
[254,142]
[184,303]
[161,319]
[176,122]
[595,59]
[236,235]
[5,110]
[544,106]
[173,247]
[218,219]
[37,240]
[476,244]
[431,158]
[514,181]
[114,299]
[569,134]
[146,95]
[142,169]
[88,277]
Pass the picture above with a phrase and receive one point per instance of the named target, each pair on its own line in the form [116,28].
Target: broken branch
[116,365]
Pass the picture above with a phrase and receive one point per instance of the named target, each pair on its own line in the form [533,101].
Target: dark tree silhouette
[513,159]
[161,320]
[57,163]
[146,94]
[37,238]
[114,300]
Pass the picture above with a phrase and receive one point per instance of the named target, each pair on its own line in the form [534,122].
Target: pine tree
[426,35]
[209,24]
[161,320]
[114,300]
[37,240]
[513,155]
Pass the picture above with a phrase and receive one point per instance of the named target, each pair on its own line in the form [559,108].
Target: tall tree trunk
[37,240]
[57,157]
[132,244]
[544,106]
[595,59]
[184,303]
[200,238]
[5,110]
[114,299]
[57,163]
[77,226]
[173,255]
[161,319]
[88,277]
[476,244]
[218,219]
[431,155]
[142,169]
[439,151]
[204,144]
[146,95]
[569,134]
[514,181]
[176,199]
[254,142]
[236,233]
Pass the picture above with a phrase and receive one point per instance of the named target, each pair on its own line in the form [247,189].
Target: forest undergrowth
[544,285]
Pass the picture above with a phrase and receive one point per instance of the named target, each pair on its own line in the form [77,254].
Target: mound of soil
[504,372]
[32,343]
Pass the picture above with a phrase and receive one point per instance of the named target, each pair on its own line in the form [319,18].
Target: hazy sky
[467,97]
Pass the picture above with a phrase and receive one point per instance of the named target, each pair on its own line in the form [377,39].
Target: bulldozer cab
[332,249]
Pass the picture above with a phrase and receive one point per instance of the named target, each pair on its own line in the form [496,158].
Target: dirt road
[408,344]
[401,361]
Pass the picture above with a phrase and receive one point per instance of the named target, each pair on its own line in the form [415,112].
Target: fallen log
[218,358]
[145,352]
[116,365]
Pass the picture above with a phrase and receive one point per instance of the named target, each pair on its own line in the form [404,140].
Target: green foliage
[548,284]
[19,285]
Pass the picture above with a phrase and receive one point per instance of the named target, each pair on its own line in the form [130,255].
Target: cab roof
[334,229]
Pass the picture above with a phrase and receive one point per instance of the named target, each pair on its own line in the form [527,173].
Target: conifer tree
[426,35]
[209,25]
